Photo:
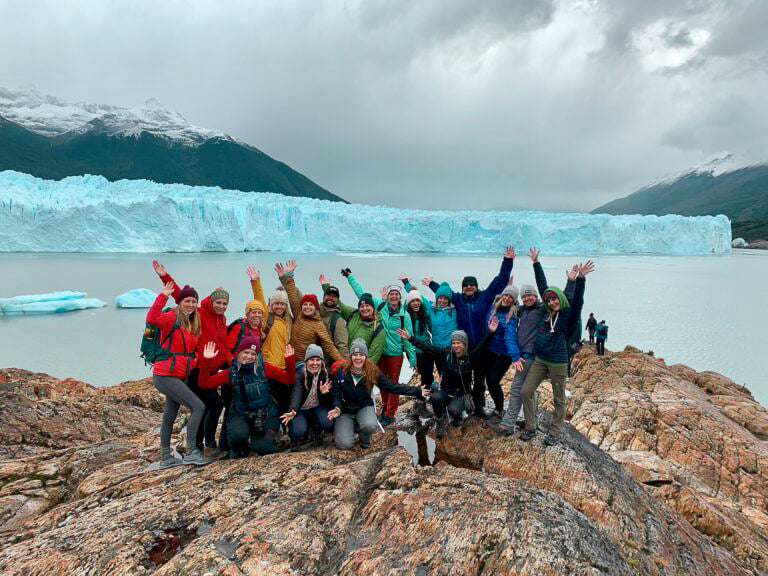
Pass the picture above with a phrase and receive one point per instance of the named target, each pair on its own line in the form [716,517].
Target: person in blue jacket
[601,335]
[504,349]
[472,307]
[551,352]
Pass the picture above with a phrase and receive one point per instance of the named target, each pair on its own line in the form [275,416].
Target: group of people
[307,366]
[598,333]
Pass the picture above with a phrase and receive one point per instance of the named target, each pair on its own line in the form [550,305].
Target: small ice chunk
[51,303]
[136,298]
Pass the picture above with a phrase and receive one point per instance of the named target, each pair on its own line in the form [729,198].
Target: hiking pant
[243,437]
[591,336]
[497,368]
[515,400]
[537,373]
[441,401]
[600,346]
[344,428]
[480,366]
[177,393]
[425,364]
[213,407]
[226,398]
[390,366]
[317,416]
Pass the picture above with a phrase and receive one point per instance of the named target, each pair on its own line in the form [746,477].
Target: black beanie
[469,280]
[365,298]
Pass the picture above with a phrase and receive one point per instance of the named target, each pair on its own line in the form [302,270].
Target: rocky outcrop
[503,507]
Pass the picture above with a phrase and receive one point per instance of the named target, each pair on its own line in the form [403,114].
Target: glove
[346,272]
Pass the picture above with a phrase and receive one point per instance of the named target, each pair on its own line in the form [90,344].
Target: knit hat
[313,351]
[254,305]
[219,294]
[358,347]
[332,290]
[249,342]
[186,292]
[444,291]
[527,290]
[469,280]
[512,291]
[279,295]
[366,298]
[310,298]
[411,296]
[394,288]
[460,335]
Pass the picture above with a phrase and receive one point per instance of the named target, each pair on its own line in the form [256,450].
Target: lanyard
[552,323]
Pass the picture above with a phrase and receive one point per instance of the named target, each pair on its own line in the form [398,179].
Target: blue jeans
[318,416]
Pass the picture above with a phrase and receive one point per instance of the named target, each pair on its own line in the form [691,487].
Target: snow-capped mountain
[48,137]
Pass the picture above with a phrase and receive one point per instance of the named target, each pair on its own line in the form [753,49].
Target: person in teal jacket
[394,317]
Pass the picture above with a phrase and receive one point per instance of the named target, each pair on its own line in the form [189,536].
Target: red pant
[390,366]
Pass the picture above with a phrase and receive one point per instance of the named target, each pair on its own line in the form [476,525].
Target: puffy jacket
[443,320]
[457,372]
[528,320]
[504,340]
[351,397]
[213,326]
[300,389]
[553,333]
[394,345]
[471,313]
[182,344]
[278,330]
[340,334]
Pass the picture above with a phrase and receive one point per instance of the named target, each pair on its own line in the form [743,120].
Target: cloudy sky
[559,105]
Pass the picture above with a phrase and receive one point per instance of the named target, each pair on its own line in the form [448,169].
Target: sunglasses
[466,285]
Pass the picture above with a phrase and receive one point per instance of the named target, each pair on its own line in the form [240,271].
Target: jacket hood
[563,300]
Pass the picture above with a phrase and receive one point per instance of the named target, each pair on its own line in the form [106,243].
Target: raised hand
[253,274]
[159,268]
[573,272]
[287,417]
[290,266]
[586,268]
[335,413]
[427,280]
[167,289]
[403,333]
[510,252]
[323,279]
[209,351]
[346,272]
[493,323]
[511,280]
[403,278]
[533,254]
[384,293]
[325,387]
[280,269]
[288,351]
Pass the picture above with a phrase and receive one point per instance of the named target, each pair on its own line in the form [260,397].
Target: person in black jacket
[311,399]
[352,400]
[456,380]
[551,351]
[591,325]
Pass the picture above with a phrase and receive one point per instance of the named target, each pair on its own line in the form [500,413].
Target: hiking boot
[386,421]
[440,427]
[526,435]
[550,440]
[295,445]
[214,453]
[456,422]
[317,436]
[496,415]
[500,429]
[169,461]
[197,458]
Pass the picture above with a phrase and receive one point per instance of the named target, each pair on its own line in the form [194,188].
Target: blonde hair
[189,323]
[512,308]
[323,370]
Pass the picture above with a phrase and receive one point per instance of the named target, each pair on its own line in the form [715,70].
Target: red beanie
[310,298]
[249,342]
[186,292]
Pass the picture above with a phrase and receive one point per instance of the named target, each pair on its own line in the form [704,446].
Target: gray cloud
[549,105]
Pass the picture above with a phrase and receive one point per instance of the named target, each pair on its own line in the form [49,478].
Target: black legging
[425,365]
[213,408]
[480,366]
[600,346]
[497,367]
[441,400]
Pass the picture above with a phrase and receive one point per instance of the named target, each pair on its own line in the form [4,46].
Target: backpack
[381,306]
[243,329]
[151,348]
[332,324]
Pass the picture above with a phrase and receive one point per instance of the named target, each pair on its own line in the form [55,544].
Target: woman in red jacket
[213,326]
[180,332]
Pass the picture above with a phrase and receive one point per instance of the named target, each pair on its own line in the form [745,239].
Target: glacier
[136,298]
[91,214]
[50,303]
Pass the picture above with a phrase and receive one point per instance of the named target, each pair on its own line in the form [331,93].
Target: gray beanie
[358,347]
[460,335]
[527,290]
[313,351]
[511,290]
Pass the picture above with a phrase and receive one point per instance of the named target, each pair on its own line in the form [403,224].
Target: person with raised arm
[551,351]
[353,406]
[394,317]
[213,325]
[422,330]
[253,423]
[179,333]
[472,307]
[456,380]
[278,323]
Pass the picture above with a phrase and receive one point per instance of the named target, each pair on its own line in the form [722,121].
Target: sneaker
[526,435]
[550,440]
[197,458]
[170,461]
[440,427]
[494,415]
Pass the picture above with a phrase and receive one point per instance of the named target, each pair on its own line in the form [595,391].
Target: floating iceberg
[51,303]
[137,298]
[91,214]
[739,243]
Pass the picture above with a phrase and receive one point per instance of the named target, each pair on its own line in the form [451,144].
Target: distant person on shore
[213,326]
[253,423]
[353,404]
[591,325]
[601,335]
[179,334]
[551,351]
[472,307]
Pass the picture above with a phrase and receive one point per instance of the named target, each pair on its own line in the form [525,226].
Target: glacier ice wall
[91,214]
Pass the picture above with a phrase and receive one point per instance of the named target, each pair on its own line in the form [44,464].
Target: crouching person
[253,422]
[352,400]
[311,400]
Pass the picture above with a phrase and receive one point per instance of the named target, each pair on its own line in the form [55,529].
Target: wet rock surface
[85,503]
